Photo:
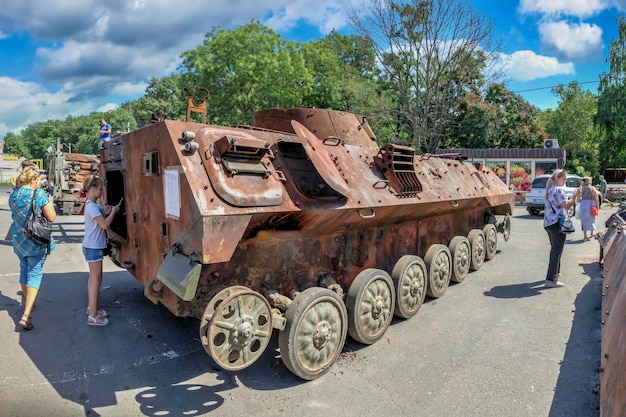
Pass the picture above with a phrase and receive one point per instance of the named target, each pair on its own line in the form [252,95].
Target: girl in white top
[94,242]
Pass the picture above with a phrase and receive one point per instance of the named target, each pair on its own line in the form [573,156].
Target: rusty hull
[613,360]
[278,205]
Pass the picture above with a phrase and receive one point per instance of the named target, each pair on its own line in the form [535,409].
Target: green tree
[514,122]
[611,115]
[82,133]
[163,97]
[497,119]
[432,53]
[38,137]
[345,77]
[15,144]
[343,70]
[572,123]
[246,69]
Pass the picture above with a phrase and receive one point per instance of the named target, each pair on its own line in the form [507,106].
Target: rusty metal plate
[325,209]
[613,360]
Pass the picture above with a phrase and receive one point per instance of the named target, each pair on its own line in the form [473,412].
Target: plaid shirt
[20,201]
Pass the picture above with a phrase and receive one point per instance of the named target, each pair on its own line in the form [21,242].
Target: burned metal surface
[196,103]
[298,201]
[397,163]
[613,361]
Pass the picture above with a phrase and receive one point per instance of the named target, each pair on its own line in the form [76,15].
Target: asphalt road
[498,344]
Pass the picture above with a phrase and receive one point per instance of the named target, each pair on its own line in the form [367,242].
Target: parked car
[535,195]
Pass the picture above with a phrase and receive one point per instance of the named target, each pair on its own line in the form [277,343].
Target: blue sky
[67,57]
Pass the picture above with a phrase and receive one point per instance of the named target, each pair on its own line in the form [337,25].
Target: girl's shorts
[93,255]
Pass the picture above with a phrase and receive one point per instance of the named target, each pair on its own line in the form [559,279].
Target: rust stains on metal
[303,204]
[196,103]
[613,361]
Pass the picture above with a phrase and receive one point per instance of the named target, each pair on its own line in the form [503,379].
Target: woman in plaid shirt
[31,253]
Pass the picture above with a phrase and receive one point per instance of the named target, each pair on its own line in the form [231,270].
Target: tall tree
[81,133]
[162,98]
[431,53]
[85,131]
[345,77]
[611,116]
[515,123]
[497,119]
[343,69]
[246,69]
[15,144]
[38,137]
[572,123]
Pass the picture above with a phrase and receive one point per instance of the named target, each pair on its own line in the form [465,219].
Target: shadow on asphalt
[521,290]
[146,348]
[583,345]
[572,397]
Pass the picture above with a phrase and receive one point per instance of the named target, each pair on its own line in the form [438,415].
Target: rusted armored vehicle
[613,360]
[299,223]
[66,173]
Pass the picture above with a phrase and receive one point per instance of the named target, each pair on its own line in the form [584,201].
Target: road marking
[168,353]
[103,369]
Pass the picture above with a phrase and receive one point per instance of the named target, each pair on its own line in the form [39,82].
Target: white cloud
[577,42]
[580,8]
[24,103]
[129,89]
[528,66]
[325,15]
[99,67]
[91,53]
[107,107]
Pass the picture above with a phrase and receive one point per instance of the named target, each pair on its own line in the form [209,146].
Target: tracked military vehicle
[299,223]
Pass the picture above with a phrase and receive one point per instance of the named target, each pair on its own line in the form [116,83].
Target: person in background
[602,187]
[105,131]
[94,242]
[588,198]
[82,193]
[31,253]
[556,206]
[15,179]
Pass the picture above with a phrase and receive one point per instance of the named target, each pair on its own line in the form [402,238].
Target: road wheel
[477,241]
[504,227]
[370,304]
[409,279]
[438,264]
[219,294]
[461,253]
[315,332]
[240,330]
[491,241]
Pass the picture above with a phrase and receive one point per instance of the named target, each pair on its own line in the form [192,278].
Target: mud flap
[180,274]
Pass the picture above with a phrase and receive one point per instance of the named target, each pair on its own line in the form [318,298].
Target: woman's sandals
[98,321]
[26,323]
